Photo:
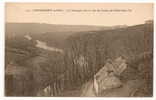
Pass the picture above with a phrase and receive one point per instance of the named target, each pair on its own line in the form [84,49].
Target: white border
[1,48]
[2,31]
[79,1]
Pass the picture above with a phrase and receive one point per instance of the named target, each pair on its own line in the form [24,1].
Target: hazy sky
[123,13]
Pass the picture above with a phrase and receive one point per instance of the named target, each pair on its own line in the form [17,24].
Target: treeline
[98,46]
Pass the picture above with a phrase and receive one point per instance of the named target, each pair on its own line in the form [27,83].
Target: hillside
[132,43]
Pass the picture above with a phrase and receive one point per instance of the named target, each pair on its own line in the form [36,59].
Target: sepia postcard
[79,49]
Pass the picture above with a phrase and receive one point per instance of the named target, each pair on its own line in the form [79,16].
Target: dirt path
[125,91]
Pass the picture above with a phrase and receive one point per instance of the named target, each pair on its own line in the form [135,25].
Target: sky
[105,14]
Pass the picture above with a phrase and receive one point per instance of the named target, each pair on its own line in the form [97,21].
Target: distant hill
[37,28]
[53,34]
